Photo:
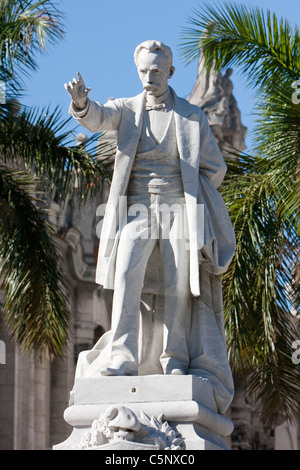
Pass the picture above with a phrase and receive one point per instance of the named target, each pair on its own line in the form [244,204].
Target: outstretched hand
[78,91]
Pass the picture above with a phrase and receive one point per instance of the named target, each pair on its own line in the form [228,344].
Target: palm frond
[229,35]
[262,195]
[257,287]
[35,304]
[40,143]
[277,138]
[43,141]
[25,27]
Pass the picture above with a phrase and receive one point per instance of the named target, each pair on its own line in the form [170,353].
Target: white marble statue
[167,157]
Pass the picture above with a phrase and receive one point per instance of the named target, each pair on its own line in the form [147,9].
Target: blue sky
[100,39]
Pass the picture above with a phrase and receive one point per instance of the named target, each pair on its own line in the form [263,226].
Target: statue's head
[154,61]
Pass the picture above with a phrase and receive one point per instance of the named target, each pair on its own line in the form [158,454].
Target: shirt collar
[164,101]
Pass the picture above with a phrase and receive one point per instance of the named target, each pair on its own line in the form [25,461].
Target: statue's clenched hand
[78,91]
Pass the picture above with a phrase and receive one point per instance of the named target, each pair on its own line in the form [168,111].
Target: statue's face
[154,71]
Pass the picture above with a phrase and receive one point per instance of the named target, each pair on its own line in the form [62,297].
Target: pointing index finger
[79,76]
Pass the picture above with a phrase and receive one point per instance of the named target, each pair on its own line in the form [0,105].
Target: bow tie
[155,106]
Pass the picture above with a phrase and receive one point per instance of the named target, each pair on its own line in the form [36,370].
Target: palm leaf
[230,35]
[257,289]
[278,139]
[262,196]
[39,142]
[25,27]
[43,141]
[35,307]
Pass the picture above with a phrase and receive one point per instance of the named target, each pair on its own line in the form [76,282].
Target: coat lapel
[188,141]
[128,139]
[129,134]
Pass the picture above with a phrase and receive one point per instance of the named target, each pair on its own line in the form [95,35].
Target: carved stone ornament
[119,428]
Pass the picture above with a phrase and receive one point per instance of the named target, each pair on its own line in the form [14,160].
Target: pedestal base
[153,412]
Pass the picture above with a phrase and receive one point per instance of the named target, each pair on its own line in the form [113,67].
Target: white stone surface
[136,389]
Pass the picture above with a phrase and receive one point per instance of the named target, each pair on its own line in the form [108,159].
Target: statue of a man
[166,157]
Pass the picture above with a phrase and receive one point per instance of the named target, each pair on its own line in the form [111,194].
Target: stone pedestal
[144,412]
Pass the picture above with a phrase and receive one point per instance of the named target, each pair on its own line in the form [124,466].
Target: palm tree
[262,194]
[37,158]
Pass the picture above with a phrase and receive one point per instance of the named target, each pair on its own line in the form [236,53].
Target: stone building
[33,394]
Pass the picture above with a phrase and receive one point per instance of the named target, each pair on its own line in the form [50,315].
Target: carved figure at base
[119,427]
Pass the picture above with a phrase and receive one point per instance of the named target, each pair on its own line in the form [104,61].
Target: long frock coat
[211,238]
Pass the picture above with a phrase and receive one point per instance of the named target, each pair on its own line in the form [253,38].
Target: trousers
[152,218]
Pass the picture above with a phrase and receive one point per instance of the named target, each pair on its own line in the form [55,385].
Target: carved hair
[152,46]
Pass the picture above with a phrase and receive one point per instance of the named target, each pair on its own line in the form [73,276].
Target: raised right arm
[94,116]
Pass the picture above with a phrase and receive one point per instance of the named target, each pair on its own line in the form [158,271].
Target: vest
[156,167]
